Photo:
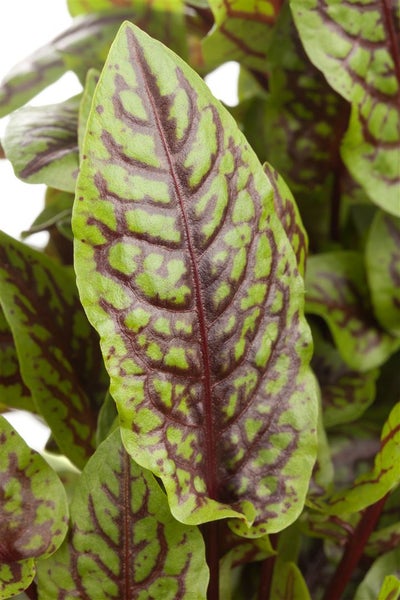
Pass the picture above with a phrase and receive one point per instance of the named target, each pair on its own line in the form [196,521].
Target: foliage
[218,361]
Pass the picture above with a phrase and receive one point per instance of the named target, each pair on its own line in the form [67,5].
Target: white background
[25,25]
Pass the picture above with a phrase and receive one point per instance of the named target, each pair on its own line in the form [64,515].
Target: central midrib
[210,438]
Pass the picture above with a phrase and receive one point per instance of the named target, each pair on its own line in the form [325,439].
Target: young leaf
[382,581]
[383,270]
[57,349]
[186,272]
[41,144]
[13,391]
[337,291]
[124,542]
[33,511]
[355,45]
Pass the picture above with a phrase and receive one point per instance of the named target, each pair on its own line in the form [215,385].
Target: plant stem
[267,571]
[211,538]
[354,550]
[31,591]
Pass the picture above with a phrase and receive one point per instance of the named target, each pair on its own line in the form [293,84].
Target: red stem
[31,591]
[354,550]
[267,571]
[211,538]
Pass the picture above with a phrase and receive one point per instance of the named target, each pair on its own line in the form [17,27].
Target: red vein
[210,437]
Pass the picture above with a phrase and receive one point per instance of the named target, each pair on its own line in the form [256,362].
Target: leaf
[288,582]
[124,542]
[41,144]
[13,391]
[92,79]
[162,19]
[15,577]
[382,581]
[33,511]
[355,45]
[337,291]
[58,351]
[373,485]
[186,272]
[346,393]
[78,7]
[241,33]
[57,210]
[289,216]
[83,45]
[304,119]
[30,77]
[383,270]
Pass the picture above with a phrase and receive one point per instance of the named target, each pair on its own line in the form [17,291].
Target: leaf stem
[31,591]
[211,538]
[354,550]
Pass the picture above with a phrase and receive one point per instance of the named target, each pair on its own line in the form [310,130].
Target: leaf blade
[148,260]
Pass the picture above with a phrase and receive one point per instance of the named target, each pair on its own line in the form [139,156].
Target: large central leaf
[189,277]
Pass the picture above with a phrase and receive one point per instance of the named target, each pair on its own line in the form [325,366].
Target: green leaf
[16,577]
[289,216]
[287,580]
[13,391]
[376,483]
[30,77]
[162,19]
[346,393]
[383,270]
[58,351]
[33,511]
[79,7]
[355,45]
[382,581]
[186,272]
[92,79]
[124,541]
[241,32]
[57,211]
[41,144]
[337,291]
[83,45]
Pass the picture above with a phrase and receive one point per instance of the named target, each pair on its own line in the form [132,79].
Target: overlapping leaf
[186,272]
[304,119]
[79,7]
[33,511]
[346,393]
[85,44]
[41,144]
[13,391]
[124,542]
[242,30]
[356,46]
[382,581]
[337,291]
[383,269]
[289,216]
[58,351]
[376,483]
